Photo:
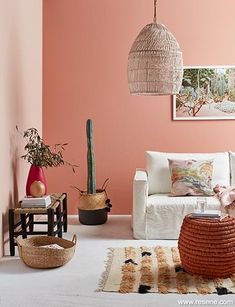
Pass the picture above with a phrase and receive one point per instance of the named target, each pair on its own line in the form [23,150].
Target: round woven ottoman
[207,246]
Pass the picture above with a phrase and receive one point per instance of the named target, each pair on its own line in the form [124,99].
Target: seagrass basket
[92,201]
[207,247]
[35,255]
[93,208]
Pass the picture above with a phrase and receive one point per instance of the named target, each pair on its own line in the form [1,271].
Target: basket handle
[19,246]
[74,239]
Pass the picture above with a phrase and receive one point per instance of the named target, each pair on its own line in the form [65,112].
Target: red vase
[35,174]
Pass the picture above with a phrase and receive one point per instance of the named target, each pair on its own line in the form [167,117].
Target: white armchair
[156,215]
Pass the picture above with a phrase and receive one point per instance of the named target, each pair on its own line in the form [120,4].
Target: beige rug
[155,269]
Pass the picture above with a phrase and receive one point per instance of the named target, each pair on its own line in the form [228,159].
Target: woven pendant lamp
[155,63]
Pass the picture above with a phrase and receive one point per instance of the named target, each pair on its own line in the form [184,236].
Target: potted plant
[40,155]
[93,203]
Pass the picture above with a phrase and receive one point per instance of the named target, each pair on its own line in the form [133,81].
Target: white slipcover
[232,167]
[156,215]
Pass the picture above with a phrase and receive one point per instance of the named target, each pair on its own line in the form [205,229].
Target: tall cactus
[91,179]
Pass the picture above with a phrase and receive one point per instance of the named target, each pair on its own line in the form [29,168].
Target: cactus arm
[91,176]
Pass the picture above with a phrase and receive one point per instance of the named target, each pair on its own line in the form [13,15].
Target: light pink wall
[86,44]
[20,95]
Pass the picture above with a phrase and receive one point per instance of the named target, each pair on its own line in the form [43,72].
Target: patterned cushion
[191,177]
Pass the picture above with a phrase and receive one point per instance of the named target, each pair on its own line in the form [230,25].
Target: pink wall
[20,97]
[86,44]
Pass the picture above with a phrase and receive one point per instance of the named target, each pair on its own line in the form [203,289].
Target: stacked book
[36,202]
[211,214]
[207,213]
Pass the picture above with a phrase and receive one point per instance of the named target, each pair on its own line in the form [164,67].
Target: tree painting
[206,93]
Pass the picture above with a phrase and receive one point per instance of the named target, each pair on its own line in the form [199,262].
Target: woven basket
[35,256]
[207,247]
[155,62]
[92,201]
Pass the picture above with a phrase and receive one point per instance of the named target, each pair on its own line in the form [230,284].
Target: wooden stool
[56,214]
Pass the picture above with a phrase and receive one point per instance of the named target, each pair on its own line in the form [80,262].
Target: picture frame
[206,93]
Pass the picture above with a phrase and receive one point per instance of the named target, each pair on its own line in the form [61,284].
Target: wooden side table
[56,222]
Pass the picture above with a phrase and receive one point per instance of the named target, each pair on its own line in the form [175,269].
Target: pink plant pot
[35,174]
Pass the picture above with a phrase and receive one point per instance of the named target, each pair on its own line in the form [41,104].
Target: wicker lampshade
[155,63]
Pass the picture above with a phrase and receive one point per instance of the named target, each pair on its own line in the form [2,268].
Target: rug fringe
[105,274]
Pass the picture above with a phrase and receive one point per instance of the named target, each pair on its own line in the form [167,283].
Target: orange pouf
[207,246]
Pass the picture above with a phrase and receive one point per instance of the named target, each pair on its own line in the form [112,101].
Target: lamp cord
[155,12]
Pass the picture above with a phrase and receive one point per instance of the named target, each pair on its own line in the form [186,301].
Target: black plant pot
[93,217]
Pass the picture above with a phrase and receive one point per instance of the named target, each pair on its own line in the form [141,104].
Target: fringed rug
[156,269]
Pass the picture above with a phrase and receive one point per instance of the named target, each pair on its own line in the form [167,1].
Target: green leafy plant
[40,154]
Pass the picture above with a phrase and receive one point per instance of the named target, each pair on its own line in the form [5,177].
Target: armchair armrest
[140,198]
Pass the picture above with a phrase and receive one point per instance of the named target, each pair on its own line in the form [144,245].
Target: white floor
[75,283]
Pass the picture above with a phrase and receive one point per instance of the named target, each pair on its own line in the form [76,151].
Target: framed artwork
[207,93]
